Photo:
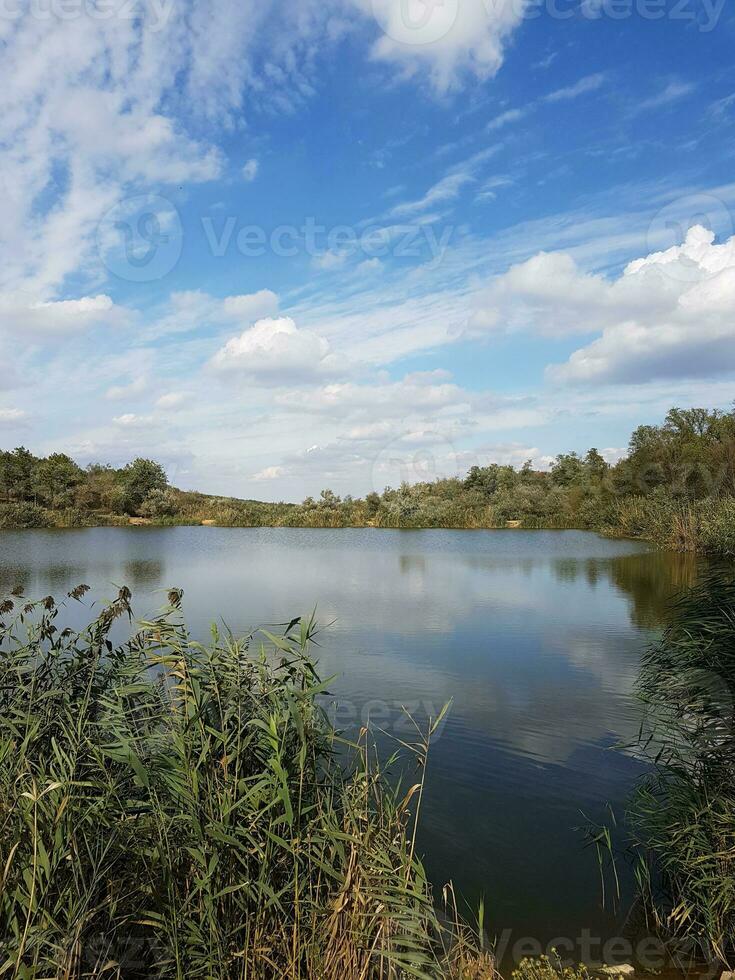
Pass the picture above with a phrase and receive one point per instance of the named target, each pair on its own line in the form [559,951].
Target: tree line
[30,485]
[676,486]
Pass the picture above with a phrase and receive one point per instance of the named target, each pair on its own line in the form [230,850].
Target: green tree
[567,469]
[99,489]
[56,479]
[139,479]
[17,470]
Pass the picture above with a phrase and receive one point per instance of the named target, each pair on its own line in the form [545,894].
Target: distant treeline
[676,487]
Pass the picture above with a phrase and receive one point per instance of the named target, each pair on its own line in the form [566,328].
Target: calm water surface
[535,635]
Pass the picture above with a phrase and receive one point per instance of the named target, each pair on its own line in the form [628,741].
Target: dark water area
[536,636]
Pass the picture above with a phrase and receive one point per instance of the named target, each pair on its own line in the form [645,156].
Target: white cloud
[47,319]
[138,386]
[548,294]
[447,40]
[275,352]
[12,417]
[171,400]
[270,473]
[590,83]
[330,260]
[251,306]
[413,395]
[670,93]
[446,189]
[250,170]
[194,309]
[370,266]
[95,109]
[131,421]
[670,314]
[509,116]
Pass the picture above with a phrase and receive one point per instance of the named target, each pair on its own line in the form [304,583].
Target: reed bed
[683,813]
[183,810]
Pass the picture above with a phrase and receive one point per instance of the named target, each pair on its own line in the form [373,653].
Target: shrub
[23,516]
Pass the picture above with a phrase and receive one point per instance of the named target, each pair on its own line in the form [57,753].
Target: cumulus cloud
[670,314]
[684,329]
[548,294]
[274,352]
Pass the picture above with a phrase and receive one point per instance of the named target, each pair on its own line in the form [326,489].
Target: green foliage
[159,503]
[55,480]
[23,516]
[141,478]
[175,810]
[16,474]
[683,813]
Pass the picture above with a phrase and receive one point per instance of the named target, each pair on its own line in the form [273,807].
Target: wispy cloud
[510,116]
[670,93]
[590,83]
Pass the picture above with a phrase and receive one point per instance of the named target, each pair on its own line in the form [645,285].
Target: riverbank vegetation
[683,813]
[676,487]
[175,810]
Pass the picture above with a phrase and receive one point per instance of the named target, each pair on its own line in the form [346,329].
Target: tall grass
[683,814]
[171,809]
[703,526]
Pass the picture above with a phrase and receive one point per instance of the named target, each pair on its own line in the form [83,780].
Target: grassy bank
[175,810]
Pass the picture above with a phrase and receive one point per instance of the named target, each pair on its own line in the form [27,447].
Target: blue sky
[281,247]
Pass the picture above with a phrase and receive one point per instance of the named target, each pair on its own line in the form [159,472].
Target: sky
[284,246]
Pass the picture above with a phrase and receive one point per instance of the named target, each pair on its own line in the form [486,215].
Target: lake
[535,635]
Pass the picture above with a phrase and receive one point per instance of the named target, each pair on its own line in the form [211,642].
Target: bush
[159,503]
[23,516]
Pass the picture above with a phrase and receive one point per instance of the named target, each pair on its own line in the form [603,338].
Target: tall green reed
[176,809]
